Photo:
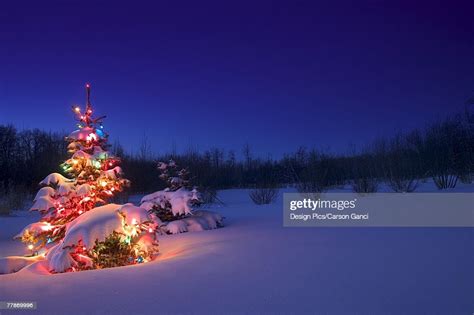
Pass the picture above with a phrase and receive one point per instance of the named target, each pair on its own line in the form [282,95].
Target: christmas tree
[74,231]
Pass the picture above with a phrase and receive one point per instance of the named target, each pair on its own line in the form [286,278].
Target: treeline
[28,156]
[443,151]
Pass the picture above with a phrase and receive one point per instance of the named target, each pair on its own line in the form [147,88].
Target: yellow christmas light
[47,227]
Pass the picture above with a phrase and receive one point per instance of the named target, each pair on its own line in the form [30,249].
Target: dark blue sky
[274,74]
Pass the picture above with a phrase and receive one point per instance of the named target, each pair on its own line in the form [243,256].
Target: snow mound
[81,134]
[96,225]
[59,259]
[199,221]
[14,263]
[134,215]
[42,204]
[176,227]
[196,224]
[147,205]
[214,219]
[35,228]
[45,192]
[83,190]
[180,200]
[93,225]
[65,189]
[53,179]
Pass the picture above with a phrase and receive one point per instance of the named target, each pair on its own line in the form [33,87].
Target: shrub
[113,252]
[403,185]
[445,181]
[15,199]
[309,171]
[466,178]
[263,196]
[365,185]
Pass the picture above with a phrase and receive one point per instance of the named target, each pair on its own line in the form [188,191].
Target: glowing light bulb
[47,227]
[30,247]
[134,221]
[150,230]
[80,211]
[91,136]
[103,183]
[75,162]
[77,109]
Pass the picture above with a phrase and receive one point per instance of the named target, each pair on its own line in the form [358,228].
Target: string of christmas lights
[91,176]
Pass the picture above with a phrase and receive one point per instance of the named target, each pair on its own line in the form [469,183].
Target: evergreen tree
[79,229]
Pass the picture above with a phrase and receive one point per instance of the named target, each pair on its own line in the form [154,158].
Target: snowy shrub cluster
[174,205]
[200,220]
[175,201]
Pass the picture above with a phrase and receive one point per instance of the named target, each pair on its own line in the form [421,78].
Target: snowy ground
[254,265]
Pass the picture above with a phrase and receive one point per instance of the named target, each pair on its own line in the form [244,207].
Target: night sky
[219,74]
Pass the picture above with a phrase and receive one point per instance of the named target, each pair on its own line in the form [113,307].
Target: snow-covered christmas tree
[174,205]
[78,229]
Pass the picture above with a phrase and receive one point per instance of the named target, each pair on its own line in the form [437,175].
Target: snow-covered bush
[174,205]
[174,177]
[107,236]
[177,203]
[177,200]
[199,221]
